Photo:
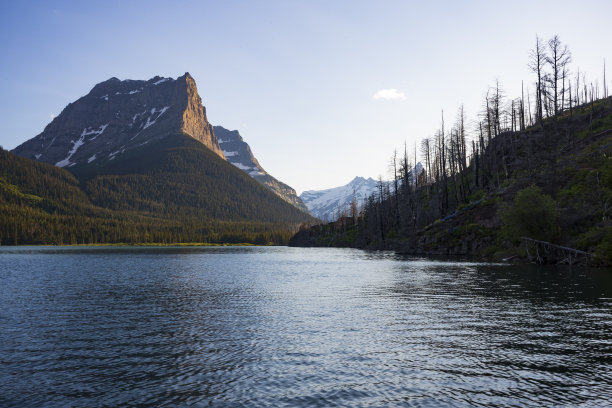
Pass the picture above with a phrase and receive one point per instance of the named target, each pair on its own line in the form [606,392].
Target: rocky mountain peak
[117,116]
[238,152]
[357,180]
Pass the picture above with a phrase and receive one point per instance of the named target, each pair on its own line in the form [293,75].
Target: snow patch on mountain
[241,166]
[154,115]
[80,142]
[136,115]
[97,132]
[161,81]
[75,146]
[153,111]
[115,153]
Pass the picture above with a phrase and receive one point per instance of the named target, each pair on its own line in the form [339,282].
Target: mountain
[238,152]
[129,176]
[116,117]
[326,204]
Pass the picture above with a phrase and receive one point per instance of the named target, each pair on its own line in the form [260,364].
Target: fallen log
[567,255]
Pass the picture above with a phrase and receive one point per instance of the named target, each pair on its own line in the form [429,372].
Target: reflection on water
[248,326]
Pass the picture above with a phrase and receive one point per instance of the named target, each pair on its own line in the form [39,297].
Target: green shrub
[532,215]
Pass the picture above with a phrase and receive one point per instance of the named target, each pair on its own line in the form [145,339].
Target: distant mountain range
[327,204]
[138,161]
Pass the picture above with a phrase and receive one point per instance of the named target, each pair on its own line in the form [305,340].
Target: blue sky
[297,78]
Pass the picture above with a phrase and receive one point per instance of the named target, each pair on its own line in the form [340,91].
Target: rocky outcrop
[195,123]
[119,116]
[238,152]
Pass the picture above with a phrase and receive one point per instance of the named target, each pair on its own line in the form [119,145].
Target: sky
[322,91]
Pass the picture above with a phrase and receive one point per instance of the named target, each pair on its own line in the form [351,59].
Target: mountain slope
[44,204]
[238,152]
[178,175]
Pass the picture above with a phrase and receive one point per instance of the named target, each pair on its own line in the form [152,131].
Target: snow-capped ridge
[329,203]
[326,204]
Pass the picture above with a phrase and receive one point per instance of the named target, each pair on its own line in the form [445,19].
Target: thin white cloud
[390,93]
[51,116]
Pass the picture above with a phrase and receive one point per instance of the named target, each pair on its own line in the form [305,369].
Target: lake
[276,326]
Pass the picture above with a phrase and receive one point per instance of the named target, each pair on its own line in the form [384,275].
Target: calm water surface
[297,327]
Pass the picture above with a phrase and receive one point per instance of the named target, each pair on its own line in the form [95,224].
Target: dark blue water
[297,327]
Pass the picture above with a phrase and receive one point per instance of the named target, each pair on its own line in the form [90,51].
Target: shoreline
[121,244]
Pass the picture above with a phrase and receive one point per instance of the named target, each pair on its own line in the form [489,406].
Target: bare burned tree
[354,208]
[396,177]
[530,121]
[426,153]
[461,151]
[522,107]
[577,92]
[476,163]
[443,160]
[496,106]
[537,60]
[393,164]
[558,58]
[605,85]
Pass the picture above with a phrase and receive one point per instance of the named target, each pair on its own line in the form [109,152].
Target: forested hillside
[527,169]
[173,191]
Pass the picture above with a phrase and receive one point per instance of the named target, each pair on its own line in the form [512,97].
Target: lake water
[275,326]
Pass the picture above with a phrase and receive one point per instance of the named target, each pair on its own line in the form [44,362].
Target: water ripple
[297,327]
